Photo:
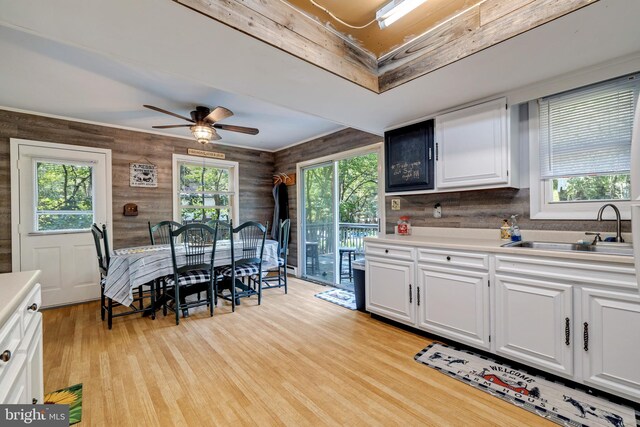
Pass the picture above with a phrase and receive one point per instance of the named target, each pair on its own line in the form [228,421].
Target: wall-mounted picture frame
[409,158]
[143,175]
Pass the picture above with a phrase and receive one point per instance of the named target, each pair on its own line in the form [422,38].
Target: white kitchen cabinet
[473,148]
[21,360]
[454,303]
[534,323]
[610,341]
[390,290]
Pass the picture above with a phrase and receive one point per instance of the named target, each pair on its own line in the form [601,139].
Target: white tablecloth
[132,267]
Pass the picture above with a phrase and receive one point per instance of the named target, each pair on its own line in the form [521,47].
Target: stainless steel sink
[625,249]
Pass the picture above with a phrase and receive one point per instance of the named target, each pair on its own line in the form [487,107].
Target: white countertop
[486,240]
[14,287]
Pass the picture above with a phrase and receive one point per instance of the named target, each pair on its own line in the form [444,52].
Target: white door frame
[377,147]
[15,190]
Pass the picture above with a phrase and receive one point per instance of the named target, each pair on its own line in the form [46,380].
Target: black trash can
[358,284]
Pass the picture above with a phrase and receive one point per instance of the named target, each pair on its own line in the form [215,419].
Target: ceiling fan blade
[241,129]
[160,110]
[171,126]
[218,113]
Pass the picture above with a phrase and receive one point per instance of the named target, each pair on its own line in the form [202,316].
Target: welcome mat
[341,297]
[71,396]
[555,401]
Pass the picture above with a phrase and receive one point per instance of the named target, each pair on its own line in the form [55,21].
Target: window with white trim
[581,152]
[206,191]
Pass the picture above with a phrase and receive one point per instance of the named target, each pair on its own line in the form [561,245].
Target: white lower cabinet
[534,323]
[454,303]
[21,373]
[390,289]
[573,318]
[610,341]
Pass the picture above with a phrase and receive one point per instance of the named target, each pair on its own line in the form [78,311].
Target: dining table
[132,267]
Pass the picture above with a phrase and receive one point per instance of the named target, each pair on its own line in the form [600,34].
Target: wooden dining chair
[196,273]
[280,279]
[243,277]
[159,234]
[101,240]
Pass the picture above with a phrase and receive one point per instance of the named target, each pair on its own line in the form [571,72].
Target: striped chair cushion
[189,278]
[241,270]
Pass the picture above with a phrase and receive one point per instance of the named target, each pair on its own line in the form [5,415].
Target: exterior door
[62,191]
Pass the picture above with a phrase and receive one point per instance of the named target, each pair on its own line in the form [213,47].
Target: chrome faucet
[619,238]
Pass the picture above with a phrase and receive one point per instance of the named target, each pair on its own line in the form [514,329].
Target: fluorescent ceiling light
[395,10]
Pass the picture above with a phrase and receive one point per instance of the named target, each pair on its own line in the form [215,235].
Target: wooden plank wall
[483,209]
[493,22]
[279,25]
[287,159]
[154,204]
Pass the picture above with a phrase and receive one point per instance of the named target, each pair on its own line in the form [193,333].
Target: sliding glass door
[339,208]
[319,222]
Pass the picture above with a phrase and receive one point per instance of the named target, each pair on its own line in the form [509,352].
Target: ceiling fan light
[202,133]
[394,10]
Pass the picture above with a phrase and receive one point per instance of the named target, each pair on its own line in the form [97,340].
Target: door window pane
[64,197]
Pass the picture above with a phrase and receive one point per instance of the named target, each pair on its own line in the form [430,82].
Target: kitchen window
[581,149]
[206,190]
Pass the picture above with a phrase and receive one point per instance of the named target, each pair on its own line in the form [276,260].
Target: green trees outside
[357,191]
[204,193]
[601,187]
[65,196]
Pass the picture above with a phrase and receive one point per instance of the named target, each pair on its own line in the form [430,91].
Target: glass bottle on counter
[404,226]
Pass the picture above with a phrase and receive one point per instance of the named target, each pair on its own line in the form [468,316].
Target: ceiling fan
[204,122]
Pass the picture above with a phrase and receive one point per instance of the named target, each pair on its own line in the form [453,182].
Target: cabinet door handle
[5,356]
[567,331]
[410,294]
[33,307]
[34,401]
[586,336]
[418,290]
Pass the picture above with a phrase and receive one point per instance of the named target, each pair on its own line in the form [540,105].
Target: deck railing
[351,235]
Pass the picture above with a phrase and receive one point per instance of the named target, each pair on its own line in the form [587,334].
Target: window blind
[587,131]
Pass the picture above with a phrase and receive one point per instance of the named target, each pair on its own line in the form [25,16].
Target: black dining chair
[101,240]
[159,234]
[196,273]
[243,277]
[280,280]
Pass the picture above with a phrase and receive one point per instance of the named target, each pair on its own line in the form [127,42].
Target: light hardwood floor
[294,360]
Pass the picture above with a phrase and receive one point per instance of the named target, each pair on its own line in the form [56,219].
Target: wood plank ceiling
[436,34]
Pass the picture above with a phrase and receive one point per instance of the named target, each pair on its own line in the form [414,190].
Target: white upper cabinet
[473,148]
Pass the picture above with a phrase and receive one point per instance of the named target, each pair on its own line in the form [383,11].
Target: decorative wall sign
[203,153]
[143,175]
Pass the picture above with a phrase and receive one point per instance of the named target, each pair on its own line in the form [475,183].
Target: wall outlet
[395,204]
[437,211]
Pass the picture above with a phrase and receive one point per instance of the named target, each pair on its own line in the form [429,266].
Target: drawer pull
[34,401]
[386,251]
[448,258]
[5,356]
[33,307]
[567,331]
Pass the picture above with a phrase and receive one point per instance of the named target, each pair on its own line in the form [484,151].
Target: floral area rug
[71,396]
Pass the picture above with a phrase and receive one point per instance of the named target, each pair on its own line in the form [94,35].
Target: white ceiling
[101,60]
